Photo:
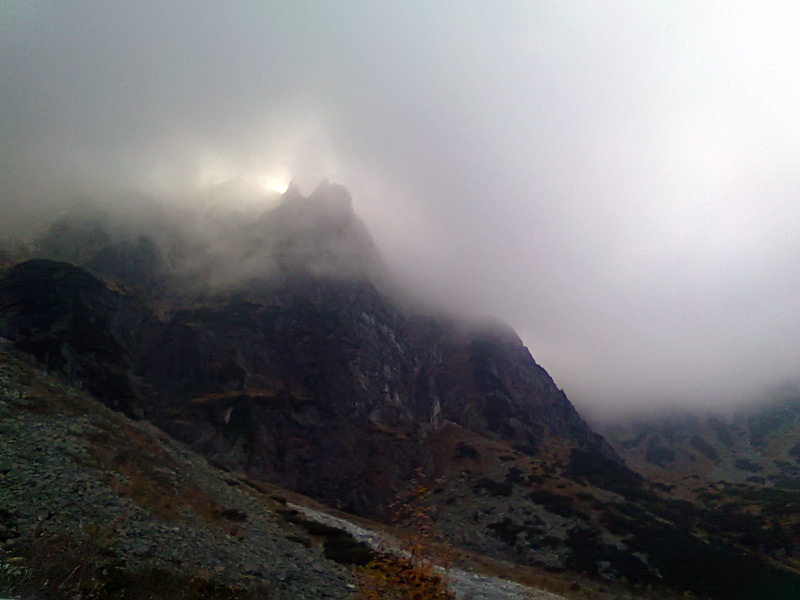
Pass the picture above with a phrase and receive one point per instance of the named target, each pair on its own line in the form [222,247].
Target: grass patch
[138,468]
[58,566]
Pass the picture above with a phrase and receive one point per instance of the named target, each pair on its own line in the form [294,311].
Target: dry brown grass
[45,394]
[132,462]
[59,567]
[139,468]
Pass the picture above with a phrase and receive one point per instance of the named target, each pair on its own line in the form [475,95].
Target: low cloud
[618,183]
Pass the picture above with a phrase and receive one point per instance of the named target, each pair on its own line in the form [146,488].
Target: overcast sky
[619,181]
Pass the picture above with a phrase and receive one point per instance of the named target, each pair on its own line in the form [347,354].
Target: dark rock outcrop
[74,324]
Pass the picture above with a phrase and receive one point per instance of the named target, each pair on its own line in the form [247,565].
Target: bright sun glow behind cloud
[240,183]
[275,182]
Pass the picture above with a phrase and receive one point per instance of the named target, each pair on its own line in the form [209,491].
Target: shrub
[58,566]
[397,578]
[410,576]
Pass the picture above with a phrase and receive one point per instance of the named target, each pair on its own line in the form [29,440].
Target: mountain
[298,364]
[277,346]
[744,467]
[756,445]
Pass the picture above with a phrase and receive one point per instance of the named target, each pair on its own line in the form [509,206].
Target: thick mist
[618,183]
[179,252]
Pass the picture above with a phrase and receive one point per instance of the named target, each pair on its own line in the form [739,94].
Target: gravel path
[464,584]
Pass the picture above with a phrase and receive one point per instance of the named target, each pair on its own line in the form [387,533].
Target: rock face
[299,368]
[326,387]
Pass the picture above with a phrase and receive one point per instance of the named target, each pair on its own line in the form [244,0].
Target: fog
[618,181]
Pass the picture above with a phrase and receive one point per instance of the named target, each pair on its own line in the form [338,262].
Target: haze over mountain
[619,183]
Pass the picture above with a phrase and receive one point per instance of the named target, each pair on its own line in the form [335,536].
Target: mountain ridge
[300,324]
[314,377]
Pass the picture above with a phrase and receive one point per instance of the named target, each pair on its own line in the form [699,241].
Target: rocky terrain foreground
[85,489]
[94,502]
[186,399]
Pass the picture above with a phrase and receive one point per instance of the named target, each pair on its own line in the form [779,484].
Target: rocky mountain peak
[282,353]
[318,235]
[329,203]
[171,252]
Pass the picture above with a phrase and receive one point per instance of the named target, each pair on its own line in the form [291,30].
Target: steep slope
[94,505]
